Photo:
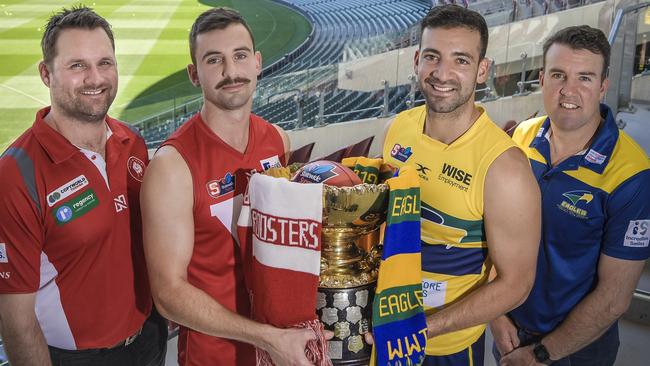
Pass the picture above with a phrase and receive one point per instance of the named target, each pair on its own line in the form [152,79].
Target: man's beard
[446,105]
[87,111]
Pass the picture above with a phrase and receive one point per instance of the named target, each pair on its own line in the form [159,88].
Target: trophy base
[347,312]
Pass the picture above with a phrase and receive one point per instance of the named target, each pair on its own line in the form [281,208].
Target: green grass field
[151,46]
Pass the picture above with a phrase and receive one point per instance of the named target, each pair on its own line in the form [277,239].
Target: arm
[592,316]
[617,279]
[21,334]
[512,223]
[167,201]
[21,244]
[285,141]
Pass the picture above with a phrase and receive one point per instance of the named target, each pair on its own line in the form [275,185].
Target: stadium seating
[345,30]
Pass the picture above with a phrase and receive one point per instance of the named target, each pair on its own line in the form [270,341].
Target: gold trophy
[350,260]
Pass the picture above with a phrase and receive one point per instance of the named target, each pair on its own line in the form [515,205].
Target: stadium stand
[302,90]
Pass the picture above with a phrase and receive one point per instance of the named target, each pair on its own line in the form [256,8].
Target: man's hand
[287,346]
[520,357]
[504,334]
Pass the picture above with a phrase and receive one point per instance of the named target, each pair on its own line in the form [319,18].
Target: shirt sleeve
[627,229]
[21,231]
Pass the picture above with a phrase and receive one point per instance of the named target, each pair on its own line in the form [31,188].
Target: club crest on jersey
[401,153]
[316,173]
[574,205]
[66,190]
[219,187]
[135,167]
[272,162]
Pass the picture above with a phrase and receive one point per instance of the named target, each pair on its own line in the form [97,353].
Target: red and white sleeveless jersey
[220,175]
[70,231]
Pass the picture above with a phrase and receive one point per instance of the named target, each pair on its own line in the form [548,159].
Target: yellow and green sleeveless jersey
[454,248]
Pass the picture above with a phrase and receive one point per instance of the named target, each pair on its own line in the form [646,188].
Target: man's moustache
[229,81]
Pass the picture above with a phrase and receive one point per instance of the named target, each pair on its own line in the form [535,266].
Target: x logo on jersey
[422,169]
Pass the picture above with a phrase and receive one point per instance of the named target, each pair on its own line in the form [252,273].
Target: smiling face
[572,86]
[448,67]
[226,67]
[83,76]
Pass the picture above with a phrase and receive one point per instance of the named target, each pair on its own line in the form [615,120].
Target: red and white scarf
[280,236]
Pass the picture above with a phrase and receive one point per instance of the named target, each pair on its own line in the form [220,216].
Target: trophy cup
[349,264]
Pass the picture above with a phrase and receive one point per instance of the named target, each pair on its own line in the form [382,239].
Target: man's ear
[44,72]
[416,61]
[258,62]
[603,88]
[193,75]
[483,70]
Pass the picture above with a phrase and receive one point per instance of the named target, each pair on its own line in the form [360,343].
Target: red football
[327,172]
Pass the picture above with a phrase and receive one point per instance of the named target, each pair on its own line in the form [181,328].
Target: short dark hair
[77,17]
[217,18]
[455,16]
[581,37]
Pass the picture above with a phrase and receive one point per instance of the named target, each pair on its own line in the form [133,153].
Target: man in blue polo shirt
[596,214]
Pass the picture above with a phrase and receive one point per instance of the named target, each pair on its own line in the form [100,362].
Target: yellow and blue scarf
[398,321]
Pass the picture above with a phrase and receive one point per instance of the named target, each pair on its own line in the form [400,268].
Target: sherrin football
[326,172]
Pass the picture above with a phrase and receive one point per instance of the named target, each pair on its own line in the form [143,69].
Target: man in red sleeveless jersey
[191,199]
[73,283]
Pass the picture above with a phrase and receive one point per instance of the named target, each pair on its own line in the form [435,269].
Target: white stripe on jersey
[49,309]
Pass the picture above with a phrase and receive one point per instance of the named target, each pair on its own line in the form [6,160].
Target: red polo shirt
[70,231]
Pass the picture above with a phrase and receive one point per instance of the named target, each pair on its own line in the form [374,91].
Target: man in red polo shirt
[73,284]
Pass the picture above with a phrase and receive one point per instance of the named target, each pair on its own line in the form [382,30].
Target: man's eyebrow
[215,52]
[456,53]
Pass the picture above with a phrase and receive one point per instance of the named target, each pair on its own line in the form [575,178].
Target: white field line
[25,90]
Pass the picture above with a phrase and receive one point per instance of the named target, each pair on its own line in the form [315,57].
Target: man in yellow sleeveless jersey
[595,209]
[480,204]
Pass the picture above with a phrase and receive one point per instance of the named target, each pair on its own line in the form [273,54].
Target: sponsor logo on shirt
[219,187]
[595,157]
[401,153]
[576,202]
[5,275]
[76,207]
[637,234]
[540,132]
[66,190]
[434,292]
[272,162]
[120,203]
[3,253]
[135,167]
[455,177]
[422,171]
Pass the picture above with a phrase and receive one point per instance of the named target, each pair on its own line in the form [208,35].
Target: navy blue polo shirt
[593,203]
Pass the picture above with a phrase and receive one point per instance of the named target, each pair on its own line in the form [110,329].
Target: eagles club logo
[577,196]
[577,202]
